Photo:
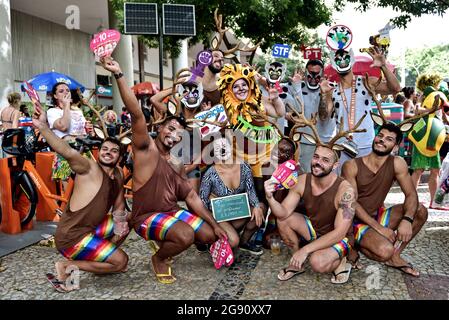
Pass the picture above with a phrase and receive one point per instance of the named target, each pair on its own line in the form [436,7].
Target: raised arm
[77,162]
[391,85]
[140,138]
[158,98]
[326,106]
[61,123]
[274,106]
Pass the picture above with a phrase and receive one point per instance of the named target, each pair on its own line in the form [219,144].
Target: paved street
[249,278]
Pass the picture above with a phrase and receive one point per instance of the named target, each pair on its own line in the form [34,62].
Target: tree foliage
[406,8]
[265,21]
[425,61]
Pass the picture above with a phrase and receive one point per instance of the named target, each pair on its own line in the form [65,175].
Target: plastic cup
[120,218]
[275,244]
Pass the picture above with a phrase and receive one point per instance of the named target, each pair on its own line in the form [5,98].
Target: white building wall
[40,46]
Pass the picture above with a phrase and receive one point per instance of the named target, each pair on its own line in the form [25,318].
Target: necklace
[351,110]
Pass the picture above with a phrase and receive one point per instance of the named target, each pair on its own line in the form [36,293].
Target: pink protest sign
[221,253]
[286,175]
[104,43]
[31,92]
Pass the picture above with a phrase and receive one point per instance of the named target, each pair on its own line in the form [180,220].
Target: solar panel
[179,19]
[141,18]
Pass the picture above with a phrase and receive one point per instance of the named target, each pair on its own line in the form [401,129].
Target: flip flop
[162,277]
[55,283]
[403,268]
[291,273]
[346,272]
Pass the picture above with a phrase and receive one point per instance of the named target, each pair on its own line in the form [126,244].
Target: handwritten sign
[104,43]
[281,50]
[231,207]
[216,113]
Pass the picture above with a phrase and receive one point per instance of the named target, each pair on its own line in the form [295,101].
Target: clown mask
[191,94]
[342,61]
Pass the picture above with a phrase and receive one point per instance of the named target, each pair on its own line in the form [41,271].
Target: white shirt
[77,122]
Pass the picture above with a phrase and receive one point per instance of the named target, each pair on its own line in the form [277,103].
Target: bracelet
[407,219]
[118,76]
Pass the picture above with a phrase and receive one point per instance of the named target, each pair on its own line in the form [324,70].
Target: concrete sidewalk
[250,277]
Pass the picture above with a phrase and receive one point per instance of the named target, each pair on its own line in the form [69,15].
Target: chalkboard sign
[231,207]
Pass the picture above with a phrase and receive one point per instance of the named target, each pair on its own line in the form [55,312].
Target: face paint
[192,94]
[313,79]
[222,149]
[275,71]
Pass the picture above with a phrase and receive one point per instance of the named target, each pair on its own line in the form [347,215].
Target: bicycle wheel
[128,185]
[24,196]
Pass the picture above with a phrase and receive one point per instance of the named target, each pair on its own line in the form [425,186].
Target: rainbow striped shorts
[343,247]
[156,226]
[94,246]
[383,217]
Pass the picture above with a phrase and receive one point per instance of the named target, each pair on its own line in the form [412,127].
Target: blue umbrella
[46,81]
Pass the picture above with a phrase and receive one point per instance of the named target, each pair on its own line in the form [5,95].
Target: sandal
[403,268]
[164,278]
[56,284]
[346,272]
[287,274]
[355,264]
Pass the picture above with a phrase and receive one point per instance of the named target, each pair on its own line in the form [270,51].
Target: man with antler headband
[158,186]
[380,233]
[306,88]
[350,99]
[328,201]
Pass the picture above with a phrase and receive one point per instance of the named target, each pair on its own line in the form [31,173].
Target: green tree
[264,21]
[407,8]
[425,61]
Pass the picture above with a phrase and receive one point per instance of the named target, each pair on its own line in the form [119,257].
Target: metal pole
[161,51]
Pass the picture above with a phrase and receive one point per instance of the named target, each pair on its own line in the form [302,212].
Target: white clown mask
[191,94]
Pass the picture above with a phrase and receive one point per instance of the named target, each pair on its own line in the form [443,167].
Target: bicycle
[26,182]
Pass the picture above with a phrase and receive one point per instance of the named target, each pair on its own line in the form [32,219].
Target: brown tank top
[160,193]
[74,226]
[321,209]
[373,188]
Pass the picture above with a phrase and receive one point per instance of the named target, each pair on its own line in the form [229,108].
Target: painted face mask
[313,79]
[275,71]
[191,93]
[342,60]
[222,149]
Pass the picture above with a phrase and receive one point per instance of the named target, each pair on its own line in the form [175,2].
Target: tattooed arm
[345,200]
[323,110]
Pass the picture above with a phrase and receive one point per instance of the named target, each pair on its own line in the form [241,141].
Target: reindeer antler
[85,102]
[218,38]
[341,133]
[436,104]
[372,91]
[301,121]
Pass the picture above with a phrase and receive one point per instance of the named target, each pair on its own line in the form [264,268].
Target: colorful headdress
[235,107]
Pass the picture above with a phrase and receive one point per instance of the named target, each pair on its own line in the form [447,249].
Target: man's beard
[381,153]
[322,174]
[213,69]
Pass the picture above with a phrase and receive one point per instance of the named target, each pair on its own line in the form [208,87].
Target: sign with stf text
[281,50]
[312,53]
[104,43]
[231,207]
